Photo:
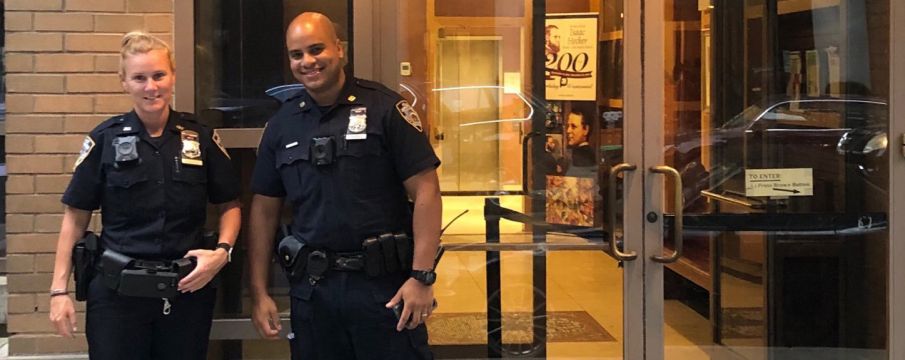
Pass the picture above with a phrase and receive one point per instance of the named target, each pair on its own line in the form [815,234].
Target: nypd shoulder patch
[216,138]
[409,114]
[87,146]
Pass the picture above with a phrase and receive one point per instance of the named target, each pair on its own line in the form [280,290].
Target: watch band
[229,250]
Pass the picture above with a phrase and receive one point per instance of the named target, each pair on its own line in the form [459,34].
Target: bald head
[316,56]
[312,23]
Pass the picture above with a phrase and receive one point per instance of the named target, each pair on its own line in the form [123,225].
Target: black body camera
[323,150]
[126,150]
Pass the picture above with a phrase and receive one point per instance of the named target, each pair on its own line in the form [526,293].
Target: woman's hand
[62,315]
[208,264]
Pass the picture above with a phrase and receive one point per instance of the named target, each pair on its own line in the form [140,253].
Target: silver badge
[191,148]
[358,123]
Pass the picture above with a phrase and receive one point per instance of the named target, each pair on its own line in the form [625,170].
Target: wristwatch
[426,277]
[229,250]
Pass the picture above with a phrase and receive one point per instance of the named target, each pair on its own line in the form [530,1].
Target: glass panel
[540,279]
[239,54]
[500,133]
[776,117]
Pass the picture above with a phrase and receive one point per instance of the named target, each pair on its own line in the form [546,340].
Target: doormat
[743,323]
[471,328]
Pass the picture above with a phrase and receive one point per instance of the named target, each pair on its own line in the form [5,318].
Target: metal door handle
[677,224]
[611,213]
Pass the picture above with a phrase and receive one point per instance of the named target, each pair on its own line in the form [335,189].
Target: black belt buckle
[349,263]
[317,266]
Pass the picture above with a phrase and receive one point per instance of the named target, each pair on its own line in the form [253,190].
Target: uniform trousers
[343,317]
[123,327]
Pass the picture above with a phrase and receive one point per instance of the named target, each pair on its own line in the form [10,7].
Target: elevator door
[469,102]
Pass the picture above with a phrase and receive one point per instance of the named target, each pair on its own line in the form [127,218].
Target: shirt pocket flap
[291,155]
[361,148]
[126,178]
[191,175]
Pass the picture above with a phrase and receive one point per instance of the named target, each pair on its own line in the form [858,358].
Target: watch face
[430,277]
[425,277]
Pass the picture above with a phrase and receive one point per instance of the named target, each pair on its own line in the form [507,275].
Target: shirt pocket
[189,189]
[126,178]
[365,166]
[125,188]
[290,163]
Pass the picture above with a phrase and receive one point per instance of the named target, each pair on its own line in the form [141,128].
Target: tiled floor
[587,281]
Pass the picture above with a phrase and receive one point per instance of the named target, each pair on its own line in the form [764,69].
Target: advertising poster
[570,68]
[570,200]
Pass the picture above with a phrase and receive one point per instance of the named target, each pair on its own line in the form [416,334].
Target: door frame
[896,260]
[635,107]
[652,155]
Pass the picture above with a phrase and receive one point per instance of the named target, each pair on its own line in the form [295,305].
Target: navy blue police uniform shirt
[361,193]
[155,208]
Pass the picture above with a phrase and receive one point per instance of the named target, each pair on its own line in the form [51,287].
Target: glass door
[525,104]
[767,161]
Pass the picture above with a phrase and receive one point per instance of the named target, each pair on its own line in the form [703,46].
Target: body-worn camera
[323,150]
[126,150]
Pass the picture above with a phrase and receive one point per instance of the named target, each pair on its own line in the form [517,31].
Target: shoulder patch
[216,138]
[409,114]
[87,146]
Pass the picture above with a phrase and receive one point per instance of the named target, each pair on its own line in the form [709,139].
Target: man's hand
[265,317]
[62,315]
[418,303]
[208,264]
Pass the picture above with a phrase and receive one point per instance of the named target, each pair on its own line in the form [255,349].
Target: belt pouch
[148,283]
[292,257]
[113,264]
[390,259]
[404,250]
[373,257]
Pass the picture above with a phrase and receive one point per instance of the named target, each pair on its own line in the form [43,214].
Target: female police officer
[152,171]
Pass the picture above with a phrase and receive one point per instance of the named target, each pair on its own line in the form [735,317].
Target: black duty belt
[143,278]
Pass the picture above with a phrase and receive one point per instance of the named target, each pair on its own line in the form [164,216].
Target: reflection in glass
[757,91]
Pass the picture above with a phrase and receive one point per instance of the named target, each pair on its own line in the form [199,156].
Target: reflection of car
[843,141]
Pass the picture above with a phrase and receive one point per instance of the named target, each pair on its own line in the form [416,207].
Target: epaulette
[188,117]
[109,123]
[373,85]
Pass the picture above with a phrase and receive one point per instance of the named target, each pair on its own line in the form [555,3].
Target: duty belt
[143,278]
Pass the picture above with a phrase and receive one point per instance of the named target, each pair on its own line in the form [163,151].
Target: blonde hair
[139,42]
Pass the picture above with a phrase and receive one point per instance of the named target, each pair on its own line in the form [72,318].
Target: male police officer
[346,153]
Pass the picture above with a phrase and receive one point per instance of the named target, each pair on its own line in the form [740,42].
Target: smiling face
[315,56]
[148,78]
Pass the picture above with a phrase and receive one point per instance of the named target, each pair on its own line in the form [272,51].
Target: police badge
[191,148]
[409,114]
[358,123]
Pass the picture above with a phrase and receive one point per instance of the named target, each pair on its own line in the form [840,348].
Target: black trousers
[121,327]
[343,317]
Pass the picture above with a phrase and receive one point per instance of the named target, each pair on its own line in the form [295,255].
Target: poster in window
[570,200]
[571,56]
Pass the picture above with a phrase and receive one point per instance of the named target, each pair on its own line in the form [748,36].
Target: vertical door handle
[677,225]
[611,213]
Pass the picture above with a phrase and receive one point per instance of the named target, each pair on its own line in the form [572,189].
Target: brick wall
[61,62]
